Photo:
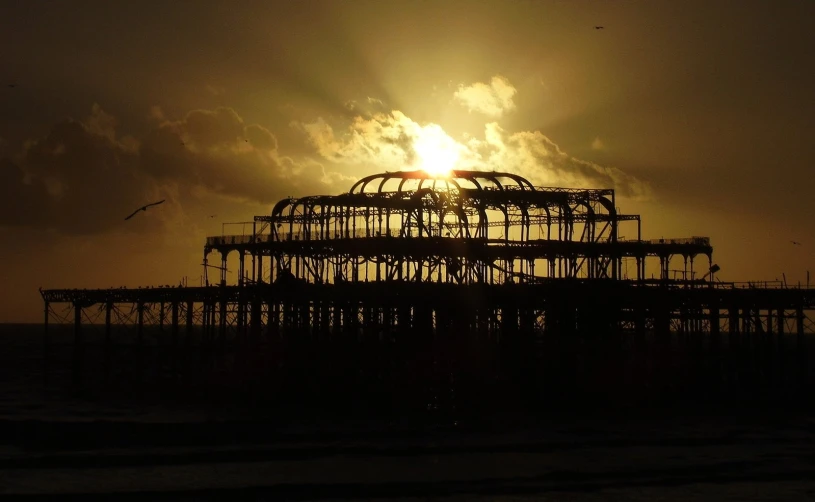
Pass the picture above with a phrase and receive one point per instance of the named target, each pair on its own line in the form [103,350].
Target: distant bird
[12,85]
[796,243]
[599,27]
[144,208]
[213,215]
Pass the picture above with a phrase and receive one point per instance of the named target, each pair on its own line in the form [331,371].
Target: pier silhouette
[449,294]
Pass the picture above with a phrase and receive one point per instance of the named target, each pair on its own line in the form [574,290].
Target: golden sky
[700,114]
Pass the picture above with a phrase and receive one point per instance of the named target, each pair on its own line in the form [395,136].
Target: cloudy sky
[701,115]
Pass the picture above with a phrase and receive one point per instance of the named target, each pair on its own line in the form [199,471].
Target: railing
[226,240]
[763,285]
[699,241]
[237,240]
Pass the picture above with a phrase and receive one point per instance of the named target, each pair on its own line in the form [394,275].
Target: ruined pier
[470,288]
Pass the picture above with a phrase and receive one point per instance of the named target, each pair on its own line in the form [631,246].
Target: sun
[438,153]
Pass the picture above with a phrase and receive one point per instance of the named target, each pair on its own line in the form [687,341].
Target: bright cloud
[60,181]
[534,156]
[387,141]
[493,99]
[393,141]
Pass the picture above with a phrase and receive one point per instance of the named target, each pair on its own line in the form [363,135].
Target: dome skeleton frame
[473,227]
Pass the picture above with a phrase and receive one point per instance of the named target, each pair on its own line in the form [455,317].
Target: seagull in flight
[796,243]
[144,208]
[599,27]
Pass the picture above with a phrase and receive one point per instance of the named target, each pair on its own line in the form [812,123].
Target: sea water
[55,441]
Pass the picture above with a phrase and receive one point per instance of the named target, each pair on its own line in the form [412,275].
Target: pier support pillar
[715,342]
[781,357]
[174,334]
[77,359]
[46,344]
[108,349]
[801,348]
[140,335]
[190,320]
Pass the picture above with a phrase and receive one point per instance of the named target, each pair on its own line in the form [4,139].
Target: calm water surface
[54,444]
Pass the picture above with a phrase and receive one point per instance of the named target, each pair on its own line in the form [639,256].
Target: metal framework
[471,228]
[479,273]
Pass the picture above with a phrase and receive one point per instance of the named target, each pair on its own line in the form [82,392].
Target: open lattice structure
[473,227]
[480,274]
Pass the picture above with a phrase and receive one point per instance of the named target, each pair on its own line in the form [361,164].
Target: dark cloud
[77,179]
[23,200]
[215,150]
[83,179]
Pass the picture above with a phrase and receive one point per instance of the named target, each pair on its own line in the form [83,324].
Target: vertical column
[77,362]
[337,320]
[140,336]
[274,317]
[801,349]
[209,351]
[174,334]
[644,273]
[768,345]
[781,355]
[692,274]
[716,341]
[733,320]
[241,321]
[161,314]
[751,343]
[241,267]
[643,351]
[46,342]
[204,323]
[222,323]
[108,308]
[255,320]
[189,321]
[253,266]
[189,331]
[733,345]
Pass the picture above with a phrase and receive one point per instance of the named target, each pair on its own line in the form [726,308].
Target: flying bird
[599,27]
[796,243]
[12,85]
[144,208]
[213,215]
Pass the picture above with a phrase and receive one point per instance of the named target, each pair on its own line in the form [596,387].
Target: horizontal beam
[482,249]
[624,293]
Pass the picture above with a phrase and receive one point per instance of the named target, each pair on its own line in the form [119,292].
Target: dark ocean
[55,442]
